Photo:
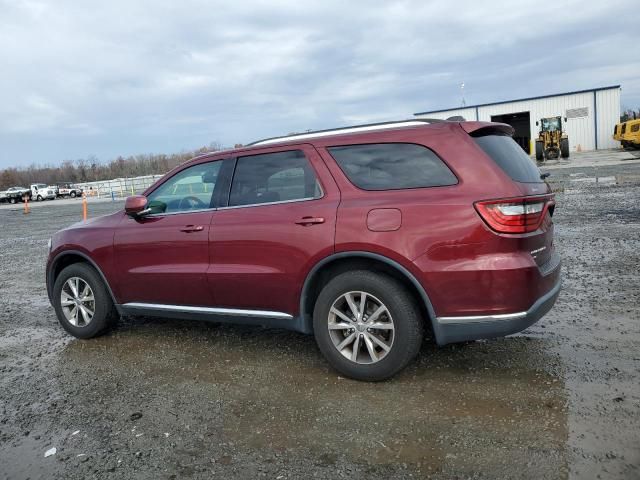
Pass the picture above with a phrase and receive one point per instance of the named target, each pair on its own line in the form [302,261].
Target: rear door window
[392,166]
[273,178]
[510,157]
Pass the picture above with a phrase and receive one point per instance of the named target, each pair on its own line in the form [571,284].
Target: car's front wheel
[82,303]
[367,325]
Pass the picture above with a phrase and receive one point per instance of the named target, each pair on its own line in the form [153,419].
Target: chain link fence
[118,187]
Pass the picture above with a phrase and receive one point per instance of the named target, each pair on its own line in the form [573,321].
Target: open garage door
[521,123]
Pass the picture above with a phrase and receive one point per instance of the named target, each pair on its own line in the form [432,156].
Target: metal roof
[520,100]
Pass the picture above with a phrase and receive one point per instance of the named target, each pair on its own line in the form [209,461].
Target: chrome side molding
[235,312]
[482,318]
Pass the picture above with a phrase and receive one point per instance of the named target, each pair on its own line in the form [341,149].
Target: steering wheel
[191,203]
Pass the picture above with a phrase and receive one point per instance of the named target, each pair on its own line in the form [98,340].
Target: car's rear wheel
[13,200]
[367,325]
[72,194]
[82,303]
[39,198]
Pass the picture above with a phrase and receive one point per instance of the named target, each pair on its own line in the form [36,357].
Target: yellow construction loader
[552,142]
[630,137]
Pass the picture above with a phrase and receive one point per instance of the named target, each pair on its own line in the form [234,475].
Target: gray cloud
[124,77]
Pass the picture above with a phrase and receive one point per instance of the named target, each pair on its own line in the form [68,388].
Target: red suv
[365,236]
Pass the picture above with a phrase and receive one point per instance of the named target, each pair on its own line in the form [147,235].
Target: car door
[280,221]
[162,258]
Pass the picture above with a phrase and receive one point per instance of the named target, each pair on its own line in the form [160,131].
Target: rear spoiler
[485,128]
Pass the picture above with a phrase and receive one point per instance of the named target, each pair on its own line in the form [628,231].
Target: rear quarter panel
[442,240]
[429,216]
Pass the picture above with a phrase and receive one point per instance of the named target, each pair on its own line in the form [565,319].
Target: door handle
[192,228]
[306,221]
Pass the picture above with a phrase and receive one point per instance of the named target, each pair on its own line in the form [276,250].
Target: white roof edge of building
[575,92]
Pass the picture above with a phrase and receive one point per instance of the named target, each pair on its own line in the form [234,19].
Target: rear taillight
[515,215]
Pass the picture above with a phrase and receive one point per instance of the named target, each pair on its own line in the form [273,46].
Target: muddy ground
[160,398]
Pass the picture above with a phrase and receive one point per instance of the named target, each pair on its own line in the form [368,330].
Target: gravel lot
[160,398]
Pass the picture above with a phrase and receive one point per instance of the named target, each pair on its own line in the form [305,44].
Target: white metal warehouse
[591,116]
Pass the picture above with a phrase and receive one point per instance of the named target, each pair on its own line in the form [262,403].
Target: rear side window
[392,166]
[273,177]
[510,157]
[635,128]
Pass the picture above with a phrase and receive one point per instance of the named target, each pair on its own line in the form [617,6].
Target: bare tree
[91,169]
[629,114]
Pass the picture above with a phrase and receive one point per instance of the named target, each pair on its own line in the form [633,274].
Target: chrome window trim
[305,199]
[164,214]
[236,312]
[482,318]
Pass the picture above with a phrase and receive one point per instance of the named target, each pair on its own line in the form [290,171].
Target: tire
[564,147]
[539,151]
[13,200]
[105,314]
[72,194]
[39,198]
[403,313]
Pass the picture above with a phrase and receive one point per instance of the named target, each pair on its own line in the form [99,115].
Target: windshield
[551,124]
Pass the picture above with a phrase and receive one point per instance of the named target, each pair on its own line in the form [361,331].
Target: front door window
[187,191]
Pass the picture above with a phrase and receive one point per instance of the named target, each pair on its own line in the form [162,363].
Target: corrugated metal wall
[581,130]
[608,102]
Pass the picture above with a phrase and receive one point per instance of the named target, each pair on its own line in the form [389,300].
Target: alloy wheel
[78,302]
[361,327]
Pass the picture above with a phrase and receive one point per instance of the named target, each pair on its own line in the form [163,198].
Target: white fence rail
[119,187]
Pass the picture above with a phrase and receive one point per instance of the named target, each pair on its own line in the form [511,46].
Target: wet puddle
[477,407]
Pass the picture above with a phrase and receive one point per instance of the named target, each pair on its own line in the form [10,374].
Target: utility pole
[464,103]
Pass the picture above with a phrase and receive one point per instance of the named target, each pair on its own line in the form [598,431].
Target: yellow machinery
[551,141]
[631,134]
[617,131]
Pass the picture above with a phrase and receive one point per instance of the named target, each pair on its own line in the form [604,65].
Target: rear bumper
[462,329]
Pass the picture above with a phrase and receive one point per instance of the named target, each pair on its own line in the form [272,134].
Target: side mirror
[565,119]
[536,124]
[136,206]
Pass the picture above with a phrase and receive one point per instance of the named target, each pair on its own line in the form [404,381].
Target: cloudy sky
[121,77]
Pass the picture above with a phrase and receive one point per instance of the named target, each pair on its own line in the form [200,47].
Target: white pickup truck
[69,190]
[15,194]
[41,191]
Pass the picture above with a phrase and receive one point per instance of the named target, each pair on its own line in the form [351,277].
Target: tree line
[90,169]
[629,114]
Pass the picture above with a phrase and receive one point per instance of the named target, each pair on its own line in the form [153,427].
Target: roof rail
[351,129]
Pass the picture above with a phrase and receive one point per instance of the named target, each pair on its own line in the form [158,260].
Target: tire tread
[404,309]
